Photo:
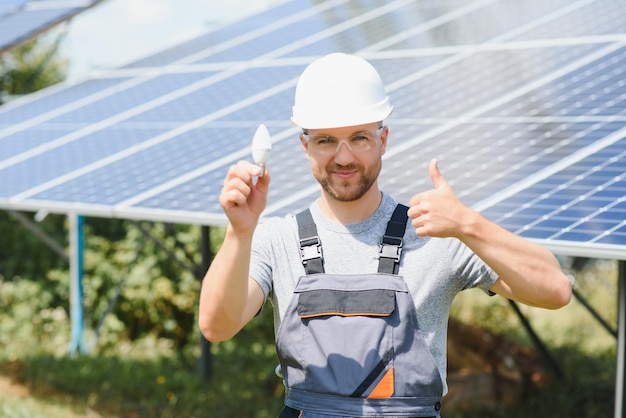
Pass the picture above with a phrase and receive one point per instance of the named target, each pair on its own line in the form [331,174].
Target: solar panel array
[21,20]
[523,103]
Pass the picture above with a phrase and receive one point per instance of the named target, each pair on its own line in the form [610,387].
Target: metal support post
[620,391]
[206,365]
[543,350]
[77,342]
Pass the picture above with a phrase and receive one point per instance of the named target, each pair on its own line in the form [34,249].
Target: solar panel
[10,6]
[524,105]
[21,20]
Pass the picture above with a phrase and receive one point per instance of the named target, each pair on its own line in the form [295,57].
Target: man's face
[346,161]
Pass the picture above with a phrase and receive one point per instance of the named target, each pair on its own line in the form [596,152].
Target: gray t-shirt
[435,269]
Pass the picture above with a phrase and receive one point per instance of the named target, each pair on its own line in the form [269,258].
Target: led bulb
[261,147]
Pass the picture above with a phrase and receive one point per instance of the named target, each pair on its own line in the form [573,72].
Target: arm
[229,298]
[528,273]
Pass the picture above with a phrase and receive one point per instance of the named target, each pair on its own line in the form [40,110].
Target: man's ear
[305,145]
[383,140]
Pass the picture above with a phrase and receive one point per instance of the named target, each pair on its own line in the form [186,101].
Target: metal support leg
[206,365]
[543,350]
[77,342]
[620,392]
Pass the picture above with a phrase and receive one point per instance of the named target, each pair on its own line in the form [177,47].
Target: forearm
[528,272]
[226,297]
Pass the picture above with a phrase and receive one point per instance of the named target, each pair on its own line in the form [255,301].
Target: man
[361,296]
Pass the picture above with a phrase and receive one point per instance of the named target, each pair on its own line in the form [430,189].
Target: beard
[348,191]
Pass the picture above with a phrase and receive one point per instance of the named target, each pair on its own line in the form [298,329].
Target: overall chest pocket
[356,337]
[347,341]
[337,335]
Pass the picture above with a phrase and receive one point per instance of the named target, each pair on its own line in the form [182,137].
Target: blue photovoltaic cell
[581,92]
[48,101]
[523,104]
[192,196]
[479,159]
[463,30]
[349,40]
[289,170]
[443,94]
[260,45]
[582,19]
[209,42]
[222,93]
[69,157]
[275,108]
[136,95]
[147,167]
[10,6]
[18,27]
[21,20]
[588,192]
[27,140]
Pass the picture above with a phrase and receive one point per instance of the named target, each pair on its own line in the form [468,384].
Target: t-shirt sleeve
[261,256]
[474,271]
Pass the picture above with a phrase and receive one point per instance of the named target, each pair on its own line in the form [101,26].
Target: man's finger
[263,182]
[435,175]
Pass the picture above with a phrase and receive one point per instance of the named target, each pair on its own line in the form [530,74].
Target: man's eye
[360,138]
[325,140]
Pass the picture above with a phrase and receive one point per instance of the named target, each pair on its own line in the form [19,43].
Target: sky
[116,32]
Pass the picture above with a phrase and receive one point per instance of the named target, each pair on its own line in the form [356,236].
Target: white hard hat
[339,90]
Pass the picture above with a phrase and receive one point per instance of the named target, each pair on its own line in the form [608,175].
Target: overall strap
[391,245]
[310,244]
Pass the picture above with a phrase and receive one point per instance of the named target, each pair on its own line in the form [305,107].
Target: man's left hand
[438,212]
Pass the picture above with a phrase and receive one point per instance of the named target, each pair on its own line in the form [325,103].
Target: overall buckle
[310,248]
[391,248]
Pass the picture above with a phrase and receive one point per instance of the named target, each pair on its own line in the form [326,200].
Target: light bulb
[261,147]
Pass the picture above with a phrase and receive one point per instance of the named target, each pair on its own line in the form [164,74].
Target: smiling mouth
[345,174]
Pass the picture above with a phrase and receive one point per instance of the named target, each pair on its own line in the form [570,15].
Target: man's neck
[351,212]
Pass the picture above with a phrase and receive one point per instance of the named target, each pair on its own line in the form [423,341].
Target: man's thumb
[435,174]
[263,183]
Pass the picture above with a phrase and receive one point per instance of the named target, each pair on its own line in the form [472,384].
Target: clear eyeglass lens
[359,142]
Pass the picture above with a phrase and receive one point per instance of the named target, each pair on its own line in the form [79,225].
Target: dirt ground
[12,390]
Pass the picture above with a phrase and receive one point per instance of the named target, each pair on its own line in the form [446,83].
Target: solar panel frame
[512,143]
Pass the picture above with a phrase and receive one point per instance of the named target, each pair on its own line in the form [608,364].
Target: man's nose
[343,153]
[344,142]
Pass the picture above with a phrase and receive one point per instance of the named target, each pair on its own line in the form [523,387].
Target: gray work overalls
[349,345]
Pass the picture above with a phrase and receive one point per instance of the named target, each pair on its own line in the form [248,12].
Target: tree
[31,67]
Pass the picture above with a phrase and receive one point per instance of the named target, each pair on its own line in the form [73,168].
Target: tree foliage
[24,254]
[140,280]
[31,67]
[141,284]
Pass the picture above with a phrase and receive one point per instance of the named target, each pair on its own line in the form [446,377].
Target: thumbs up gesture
[438,212]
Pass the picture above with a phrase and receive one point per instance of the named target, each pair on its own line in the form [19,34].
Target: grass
[144,379]
[34,408]
[66,387]
[149,379]
[116,387]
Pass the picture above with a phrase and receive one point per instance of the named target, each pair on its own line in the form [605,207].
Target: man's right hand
[242,198]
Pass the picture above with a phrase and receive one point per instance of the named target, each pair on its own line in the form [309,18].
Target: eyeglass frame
[377,134]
